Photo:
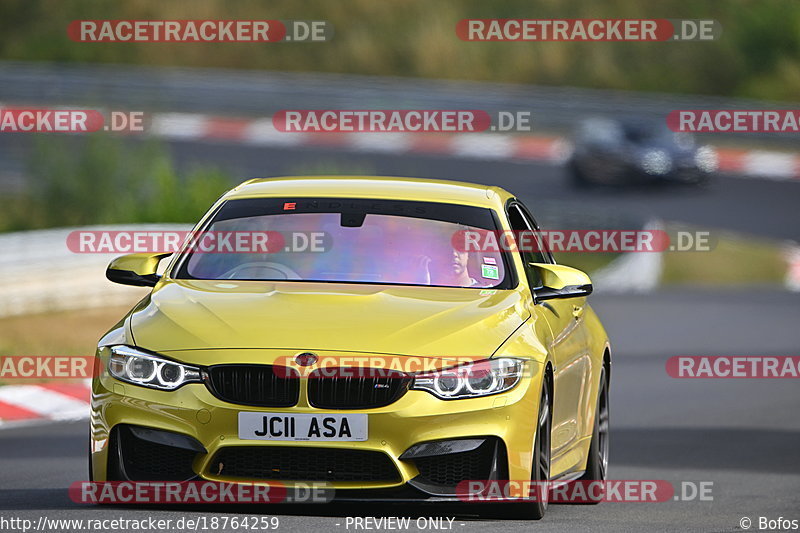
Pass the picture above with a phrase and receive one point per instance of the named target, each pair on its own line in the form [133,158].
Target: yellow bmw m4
[368,352]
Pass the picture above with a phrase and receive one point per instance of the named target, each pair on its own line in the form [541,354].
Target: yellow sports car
[369,350]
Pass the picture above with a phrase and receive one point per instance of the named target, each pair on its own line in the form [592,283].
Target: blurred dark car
[627,152]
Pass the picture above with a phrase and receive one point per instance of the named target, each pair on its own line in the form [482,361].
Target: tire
[91,470]
[540,469]
[597,462]
[577,177]
[89,454]
[704,181]
[113,459]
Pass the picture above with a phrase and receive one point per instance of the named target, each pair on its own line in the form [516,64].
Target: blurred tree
[99,179]
[757,56]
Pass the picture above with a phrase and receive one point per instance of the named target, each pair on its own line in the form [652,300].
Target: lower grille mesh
[149,461]
[452,468]
[304,464]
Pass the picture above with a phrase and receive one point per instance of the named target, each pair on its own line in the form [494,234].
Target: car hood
[670,148]
[435,321]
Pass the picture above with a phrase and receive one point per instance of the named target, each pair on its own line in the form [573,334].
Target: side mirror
[135,269]
[560,281]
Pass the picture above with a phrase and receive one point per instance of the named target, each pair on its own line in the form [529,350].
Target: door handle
[577,311]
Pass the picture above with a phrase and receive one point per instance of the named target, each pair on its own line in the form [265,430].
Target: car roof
[391,188]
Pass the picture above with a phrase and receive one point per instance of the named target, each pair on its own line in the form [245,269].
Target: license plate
[307,427]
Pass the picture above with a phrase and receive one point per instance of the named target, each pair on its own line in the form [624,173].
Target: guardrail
[38,273]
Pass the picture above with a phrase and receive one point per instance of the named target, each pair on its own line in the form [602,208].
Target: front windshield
[351,241]
[646,132]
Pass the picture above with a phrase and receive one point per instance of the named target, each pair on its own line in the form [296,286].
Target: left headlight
[656,162]
[148,370]
[481,378]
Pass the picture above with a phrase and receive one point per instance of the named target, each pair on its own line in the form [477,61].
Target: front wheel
[89,455]
[535,507]
[597,462]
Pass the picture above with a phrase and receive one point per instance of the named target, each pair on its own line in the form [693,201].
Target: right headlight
[481,378]
[142,368]
[656,162]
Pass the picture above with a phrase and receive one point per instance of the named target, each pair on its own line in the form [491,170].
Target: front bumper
[500,429]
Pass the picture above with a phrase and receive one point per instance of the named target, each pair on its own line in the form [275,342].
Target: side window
[518,222]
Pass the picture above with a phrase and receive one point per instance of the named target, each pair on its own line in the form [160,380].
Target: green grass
[58,333]
[63,333]
[735,260]
[102,180]
[588,262]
